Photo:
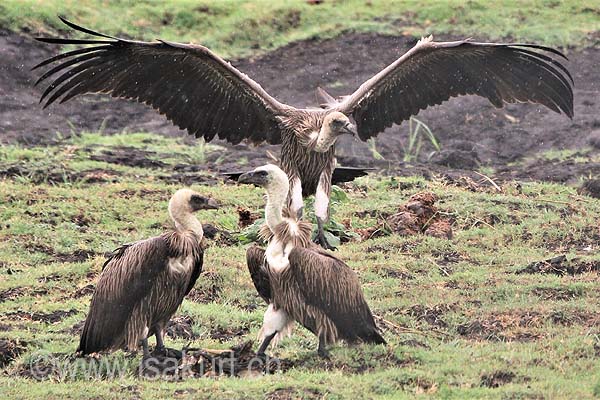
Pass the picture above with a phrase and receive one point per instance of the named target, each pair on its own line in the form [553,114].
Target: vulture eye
[196,200]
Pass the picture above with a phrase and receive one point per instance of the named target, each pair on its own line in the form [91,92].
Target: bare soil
[47,318]
[472,132]
[9,350]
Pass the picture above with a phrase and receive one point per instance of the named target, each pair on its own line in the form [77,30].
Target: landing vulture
[200,92]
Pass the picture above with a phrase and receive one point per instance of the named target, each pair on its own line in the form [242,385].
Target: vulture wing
[432,72]
[255,257]
[332,288]
[126,279]
[196,89]
[340,174]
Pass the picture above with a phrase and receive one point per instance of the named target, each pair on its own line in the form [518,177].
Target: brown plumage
[143,283]
[208,97]
[300,281]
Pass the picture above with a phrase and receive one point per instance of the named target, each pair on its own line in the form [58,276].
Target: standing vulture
[143,283]
[302,282]
[199,91]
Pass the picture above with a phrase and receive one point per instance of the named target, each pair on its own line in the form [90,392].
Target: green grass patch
[235,28]
[471,325]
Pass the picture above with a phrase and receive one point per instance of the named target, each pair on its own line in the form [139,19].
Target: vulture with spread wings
[200,92]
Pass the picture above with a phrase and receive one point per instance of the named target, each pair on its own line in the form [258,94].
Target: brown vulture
[143,283]
[300,281]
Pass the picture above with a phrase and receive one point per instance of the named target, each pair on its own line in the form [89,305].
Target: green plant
[372,144]
[416,130]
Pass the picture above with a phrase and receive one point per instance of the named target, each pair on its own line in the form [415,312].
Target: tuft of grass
[416,131]
[235,28]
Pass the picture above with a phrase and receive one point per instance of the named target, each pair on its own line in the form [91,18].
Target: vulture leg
[145,348]
[322,351]
[320,238]
[160,344]
[296,203]
[322,209]
[265,344]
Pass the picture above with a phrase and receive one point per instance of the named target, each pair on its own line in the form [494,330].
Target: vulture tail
[87,344]
[373,337]
[348,174]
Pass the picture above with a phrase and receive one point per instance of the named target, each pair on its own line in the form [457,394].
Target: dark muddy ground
[472,132]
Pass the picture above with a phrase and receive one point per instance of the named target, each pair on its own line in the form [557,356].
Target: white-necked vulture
[199,91]
[143,283]
[302,282]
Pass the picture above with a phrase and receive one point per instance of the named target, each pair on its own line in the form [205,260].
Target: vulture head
[338,124]
[334,125]
[187,201]
[269,176]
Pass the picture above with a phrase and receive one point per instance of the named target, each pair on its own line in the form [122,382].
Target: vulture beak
[257,178]
[198,202]
[212,204]
[350,128]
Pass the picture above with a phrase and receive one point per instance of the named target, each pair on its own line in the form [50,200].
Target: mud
[180,327]
[207,289]
[518,325]
[433,315]
[16,292]
[10,349]
[357,363]
[239,361]
[293,394]
[79,255]
[419,215]
[560,266]
[84,291]
[220,236]
[246,217]
[590,187]
[470,130]
[47,318]
[129,156]
[557,293]
[497,379]
[58,175]
[227,334]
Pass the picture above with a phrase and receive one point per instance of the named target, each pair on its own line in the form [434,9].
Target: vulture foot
[321,240]
[165,352]
[323,352]
[263,346]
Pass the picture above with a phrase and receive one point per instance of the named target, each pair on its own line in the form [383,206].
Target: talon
[322,241]
[324,354]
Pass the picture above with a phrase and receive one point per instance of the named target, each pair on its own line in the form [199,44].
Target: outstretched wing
[255,257]
[332,288]
[432,72]
[127,277]
[196,89]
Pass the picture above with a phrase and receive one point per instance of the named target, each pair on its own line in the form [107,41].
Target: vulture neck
[324,140]
[189,222]
[186,221]
[276,199]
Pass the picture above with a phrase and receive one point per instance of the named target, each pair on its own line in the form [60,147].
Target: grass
[477,322]
[236,28]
